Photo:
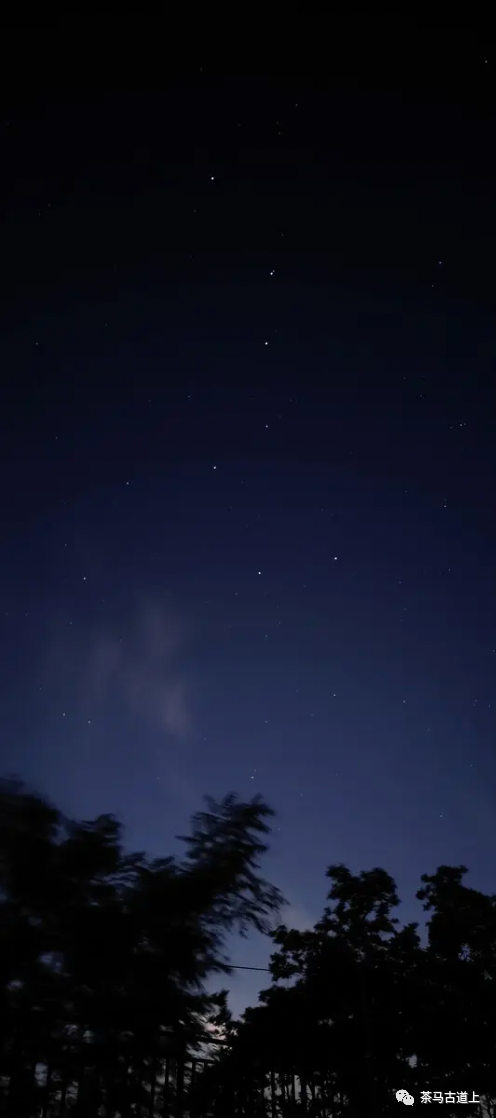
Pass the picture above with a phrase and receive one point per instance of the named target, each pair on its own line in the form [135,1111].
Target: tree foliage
[359,1007]
[104,955]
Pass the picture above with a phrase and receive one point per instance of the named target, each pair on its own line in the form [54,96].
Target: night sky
[249,466]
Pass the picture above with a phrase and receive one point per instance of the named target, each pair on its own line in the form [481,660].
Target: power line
[250,968]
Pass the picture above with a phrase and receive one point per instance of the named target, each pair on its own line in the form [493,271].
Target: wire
[249,968]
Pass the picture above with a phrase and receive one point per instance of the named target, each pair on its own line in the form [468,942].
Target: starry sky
[249,465]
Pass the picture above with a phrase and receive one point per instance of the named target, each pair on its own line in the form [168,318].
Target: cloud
[296,917]
[174,711]
[140,670]
[135,667]
[113,714]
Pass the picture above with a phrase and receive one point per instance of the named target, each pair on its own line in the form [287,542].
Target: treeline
[368,1007]
[104,956]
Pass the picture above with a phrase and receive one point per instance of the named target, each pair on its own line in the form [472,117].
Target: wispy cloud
[135,668]
[141,669]
[296,917]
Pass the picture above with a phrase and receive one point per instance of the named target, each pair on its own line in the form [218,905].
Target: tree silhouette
[104,958]
[369,1009]
[104,955]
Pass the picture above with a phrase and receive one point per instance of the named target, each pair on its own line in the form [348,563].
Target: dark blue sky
[249,467]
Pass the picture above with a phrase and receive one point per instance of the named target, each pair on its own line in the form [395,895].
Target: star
[176,547]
